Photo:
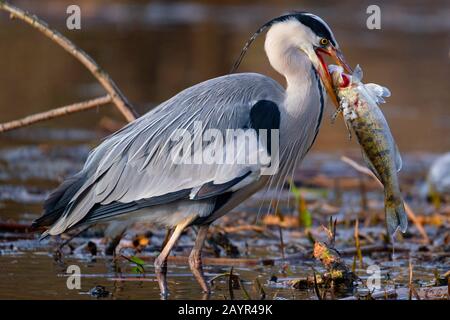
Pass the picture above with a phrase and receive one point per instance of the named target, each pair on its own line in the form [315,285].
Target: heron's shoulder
[224,94]
[247,78]
[237,85]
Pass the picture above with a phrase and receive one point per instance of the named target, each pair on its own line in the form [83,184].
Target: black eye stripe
[317,26]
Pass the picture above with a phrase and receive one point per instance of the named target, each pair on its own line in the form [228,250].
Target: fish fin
[357,74]
[396,217]
[398,159]
[377,92]
[370,165]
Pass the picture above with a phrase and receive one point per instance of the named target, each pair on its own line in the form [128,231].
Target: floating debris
[99,292]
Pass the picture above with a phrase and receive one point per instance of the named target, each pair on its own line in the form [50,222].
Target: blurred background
[154,49]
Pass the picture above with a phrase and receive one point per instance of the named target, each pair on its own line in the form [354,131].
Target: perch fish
[359,104]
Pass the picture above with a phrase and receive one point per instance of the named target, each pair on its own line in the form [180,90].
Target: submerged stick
[408,209]
[54,113]
[14,227]
[103,78]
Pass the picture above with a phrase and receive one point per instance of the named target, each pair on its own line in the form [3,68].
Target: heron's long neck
[302,96]
[300,118]
[301,87]
[302,106]
[302,109]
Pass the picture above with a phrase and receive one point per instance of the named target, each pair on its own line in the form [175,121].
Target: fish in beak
[338,58]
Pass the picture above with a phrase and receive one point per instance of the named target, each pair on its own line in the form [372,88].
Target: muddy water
[153,51]
[29,270]
[36,276]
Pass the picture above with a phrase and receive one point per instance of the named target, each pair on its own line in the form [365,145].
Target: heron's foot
[195,263]
[161,276]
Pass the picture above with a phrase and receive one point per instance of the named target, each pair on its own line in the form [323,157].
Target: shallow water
[28,269]
[34,274]
[40,278]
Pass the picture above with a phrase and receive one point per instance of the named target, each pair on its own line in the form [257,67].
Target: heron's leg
[166,239]
[114,233]
[161,261]
[112,244]
[195,258]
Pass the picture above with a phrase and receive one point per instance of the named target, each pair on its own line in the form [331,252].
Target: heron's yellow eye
[324,41]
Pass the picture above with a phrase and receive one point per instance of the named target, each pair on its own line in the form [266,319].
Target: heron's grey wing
[141,164]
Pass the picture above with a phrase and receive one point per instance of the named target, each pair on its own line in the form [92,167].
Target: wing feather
[134,167]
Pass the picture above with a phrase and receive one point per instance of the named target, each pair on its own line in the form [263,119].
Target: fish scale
[359,104]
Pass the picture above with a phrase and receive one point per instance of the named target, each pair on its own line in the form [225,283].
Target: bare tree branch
[111,88]
[76,107]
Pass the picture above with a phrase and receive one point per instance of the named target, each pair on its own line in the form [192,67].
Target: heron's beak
[338,58]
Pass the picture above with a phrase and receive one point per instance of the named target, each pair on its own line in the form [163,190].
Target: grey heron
[131,175]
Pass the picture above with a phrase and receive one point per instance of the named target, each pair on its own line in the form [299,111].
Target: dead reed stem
[357,244]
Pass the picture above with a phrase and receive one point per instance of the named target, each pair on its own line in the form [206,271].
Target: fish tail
[396,217]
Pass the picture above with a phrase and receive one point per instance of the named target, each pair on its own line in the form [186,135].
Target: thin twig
[54,113]
[105,80]
[409,211]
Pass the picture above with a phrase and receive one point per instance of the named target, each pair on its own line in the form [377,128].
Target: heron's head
[294,37]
